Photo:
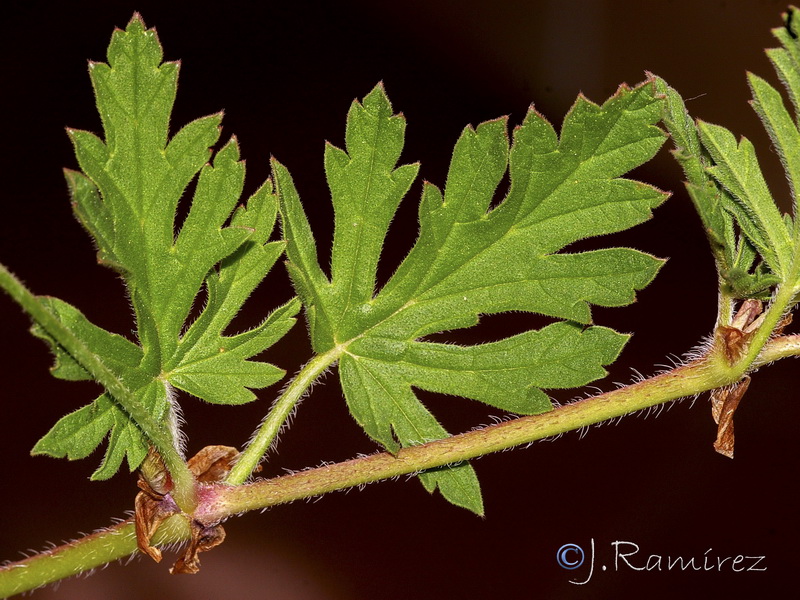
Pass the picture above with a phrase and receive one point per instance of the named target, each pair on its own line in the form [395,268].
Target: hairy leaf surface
[736,257]
[471,259]
[728,186]
[127,198]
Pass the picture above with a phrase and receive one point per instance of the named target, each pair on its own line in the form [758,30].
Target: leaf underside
[126,198]
[470,259]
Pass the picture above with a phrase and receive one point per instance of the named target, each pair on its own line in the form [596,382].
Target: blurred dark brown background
[285,73]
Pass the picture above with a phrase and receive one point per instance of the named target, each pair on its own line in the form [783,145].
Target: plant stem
[183,480]
[774,313]
[278,414]
[225,500]
[688,380]
[725,303]
[221,501]
[782,346]
[79,556]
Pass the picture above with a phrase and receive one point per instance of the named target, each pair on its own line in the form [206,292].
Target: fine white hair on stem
[287,423]
[54,551]
[176,421]
[698,352]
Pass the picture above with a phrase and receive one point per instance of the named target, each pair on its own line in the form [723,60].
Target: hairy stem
[278,414]
[688,380]
[224,500]
[781,302]
[221,501]
[183,492]
[79,556]
[783,346]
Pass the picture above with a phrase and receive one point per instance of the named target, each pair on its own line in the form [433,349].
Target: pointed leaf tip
[127,197]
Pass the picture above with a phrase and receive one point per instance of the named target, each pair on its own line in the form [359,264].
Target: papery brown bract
[153,505]
[724,402]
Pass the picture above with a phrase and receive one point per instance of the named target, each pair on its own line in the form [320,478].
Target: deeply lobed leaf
[127,198]
[470,259]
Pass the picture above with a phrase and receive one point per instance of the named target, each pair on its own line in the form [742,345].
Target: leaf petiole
[279,413]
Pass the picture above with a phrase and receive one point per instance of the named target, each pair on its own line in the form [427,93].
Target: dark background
[285,73]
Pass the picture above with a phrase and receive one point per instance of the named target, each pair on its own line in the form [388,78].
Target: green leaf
[780,126]
[734,254]
[736,167]
[80,432]
[119,354]
[470,259]
[763,257]
[709,199]
[127,197]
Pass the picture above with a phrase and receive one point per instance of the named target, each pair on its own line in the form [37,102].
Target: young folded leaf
[736,168]
[744,276]
[127,198]
[726,182]
[470,259]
